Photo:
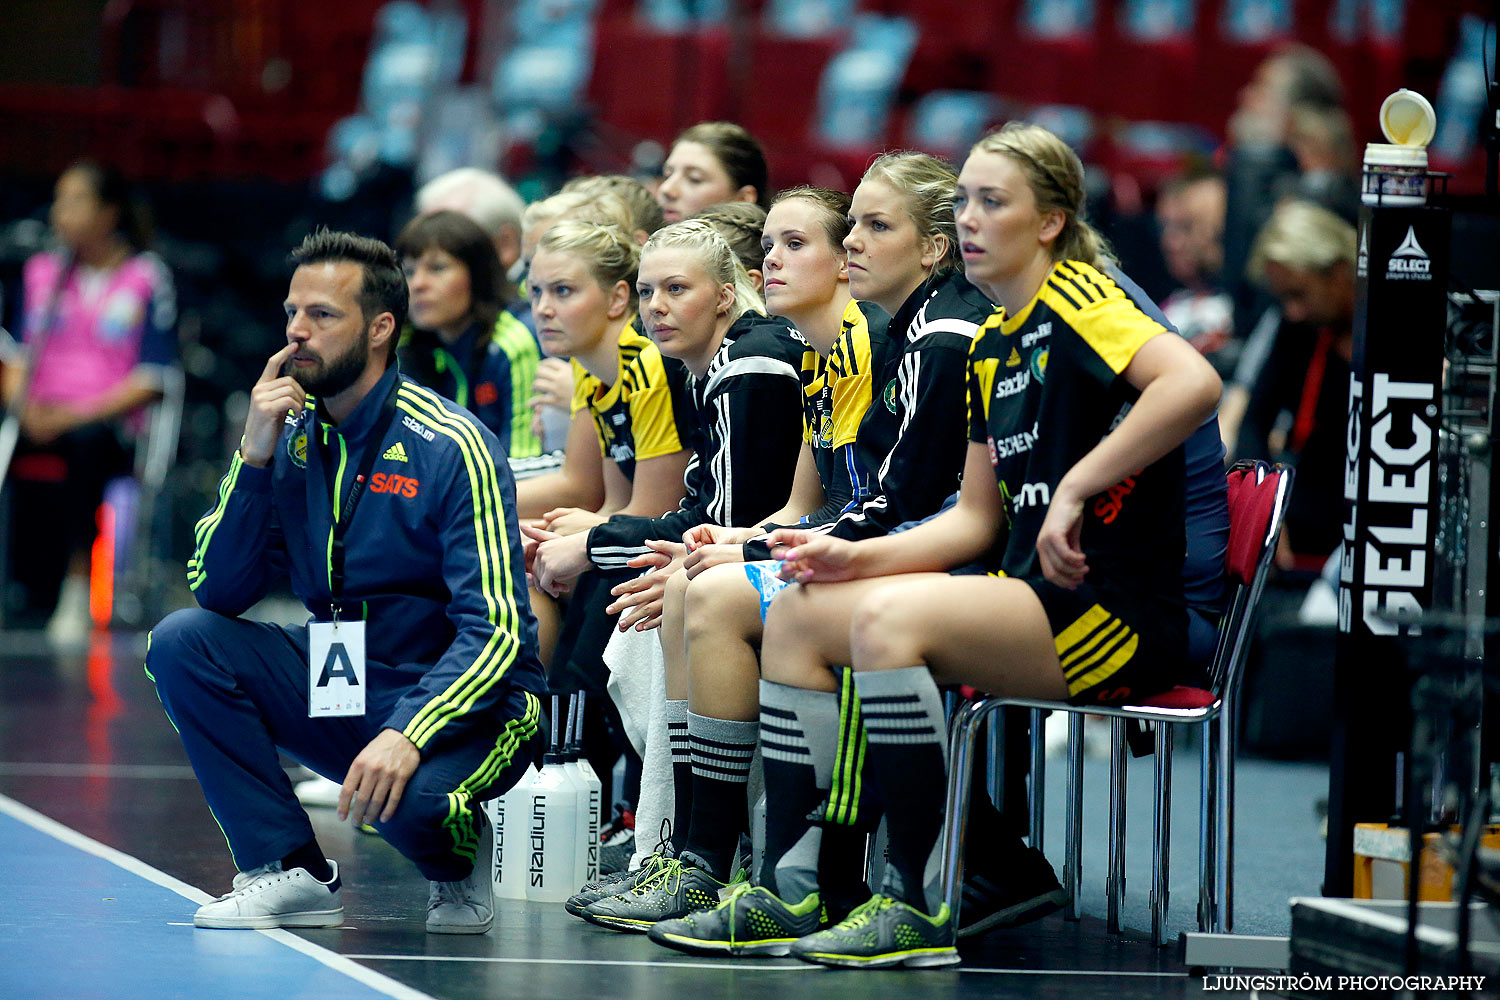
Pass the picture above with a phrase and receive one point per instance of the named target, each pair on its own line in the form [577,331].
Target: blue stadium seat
[859,85]
[807,18]
[948,122]
[1158,20]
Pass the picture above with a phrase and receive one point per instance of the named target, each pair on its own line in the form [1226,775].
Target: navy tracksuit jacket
[433,564]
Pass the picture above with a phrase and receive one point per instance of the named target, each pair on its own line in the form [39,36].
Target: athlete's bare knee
[710,603]
[886,630]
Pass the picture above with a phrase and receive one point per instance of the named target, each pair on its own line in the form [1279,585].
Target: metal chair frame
[1216,808]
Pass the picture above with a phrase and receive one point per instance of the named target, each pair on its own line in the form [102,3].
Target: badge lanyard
[343,516]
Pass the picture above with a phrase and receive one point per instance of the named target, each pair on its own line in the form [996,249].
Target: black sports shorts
[1115,645]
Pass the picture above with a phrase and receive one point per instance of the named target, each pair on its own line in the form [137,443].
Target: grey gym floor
[83,742]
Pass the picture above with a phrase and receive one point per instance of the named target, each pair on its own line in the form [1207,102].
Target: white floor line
[333,960]
[26,769]
[610,962]
[752,966]
[1112,973]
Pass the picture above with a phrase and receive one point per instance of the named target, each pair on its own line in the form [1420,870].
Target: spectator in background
[454,280]
[1260,163]
[1190,211]
[96,339]
[740,223]
[712,162]
[1328,159]
[1295,406]
[496,208]
[490,202]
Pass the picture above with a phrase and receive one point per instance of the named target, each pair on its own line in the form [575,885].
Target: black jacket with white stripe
[748,438]
[916,430]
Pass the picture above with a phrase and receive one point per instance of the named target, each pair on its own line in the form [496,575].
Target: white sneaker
[270,897]
[319,792]
[467,906]
[71,622]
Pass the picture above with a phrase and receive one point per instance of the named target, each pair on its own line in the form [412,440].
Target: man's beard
[333,376]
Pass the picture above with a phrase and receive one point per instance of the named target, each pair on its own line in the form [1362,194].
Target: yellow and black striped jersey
[836,393]
[646,412]
[1045,387]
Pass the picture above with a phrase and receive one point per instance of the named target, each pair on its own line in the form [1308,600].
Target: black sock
[841,869]
[851,812]
[309,856]
[998,831]
[907,743]
[682,772]
[722,753]
[798,741]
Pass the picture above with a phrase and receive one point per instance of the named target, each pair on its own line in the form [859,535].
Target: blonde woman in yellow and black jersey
[627,448]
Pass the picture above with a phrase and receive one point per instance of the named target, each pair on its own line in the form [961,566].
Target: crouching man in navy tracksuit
[392,511]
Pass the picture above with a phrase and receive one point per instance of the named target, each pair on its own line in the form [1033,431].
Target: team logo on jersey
[889,396]
[1014,361]
[395,453]
[1039,365]
[825,431]
[296,449]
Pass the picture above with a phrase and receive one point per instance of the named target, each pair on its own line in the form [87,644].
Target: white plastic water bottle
[552,828]
[580,787]
[592,791]
[508,816]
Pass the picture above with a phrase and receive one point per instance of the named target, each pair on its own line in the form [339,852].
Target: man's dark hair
[382,286]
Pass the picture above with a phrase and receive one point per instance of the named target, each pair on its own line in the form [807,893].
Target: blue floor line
[84,921]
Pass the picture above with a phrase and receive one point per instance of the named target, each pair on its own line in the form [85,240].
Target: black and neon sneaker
[679,887]
[749,920]
[882,932]
[610,885]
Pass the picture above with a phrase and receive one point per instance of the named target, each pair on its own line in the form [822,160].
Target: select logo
[1410,262]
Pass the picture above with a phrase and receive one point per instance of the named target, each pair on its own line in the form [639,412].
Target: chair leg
[1161,851]
[961,734]
[1208,817]
[1224,846]
[1073,863]
[1115,883]
[1038,779]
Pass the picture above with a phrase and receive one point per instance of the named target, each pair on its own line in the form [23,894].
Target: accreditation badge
[335,668]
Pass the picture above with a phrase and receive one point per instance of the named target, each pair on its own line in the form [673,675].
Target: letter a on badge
[335,668]
[337,665]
